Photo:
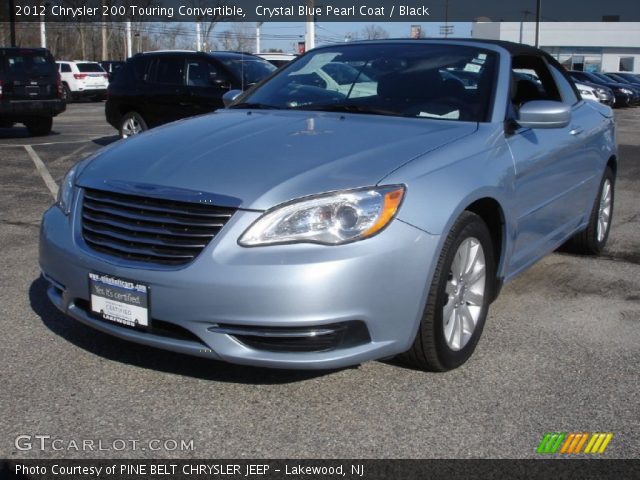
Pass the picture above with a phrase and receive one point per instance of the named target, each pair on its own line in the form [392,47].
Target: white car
[587,92]
[82,79]
[277,59]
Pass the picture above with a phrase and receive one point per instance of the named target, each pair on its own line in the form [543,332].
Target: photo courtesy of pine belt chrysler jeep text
[314,224]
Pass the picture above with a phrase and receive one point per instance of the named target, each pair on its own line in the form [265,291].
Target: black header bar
[371,11]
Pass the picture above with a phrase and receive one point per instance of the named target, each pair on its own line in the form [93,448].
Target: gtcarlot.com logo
[574,443]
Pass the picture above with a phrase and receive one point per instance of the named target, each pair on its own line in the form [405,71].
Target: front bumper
[380,283]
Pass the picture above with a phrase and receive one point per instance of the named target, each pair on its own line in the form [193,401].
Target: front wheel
[131,124]
[458,300]
[592,240]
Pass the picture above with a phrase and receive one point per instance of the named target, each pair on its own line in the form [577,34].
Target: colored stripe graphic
[550,442]
[581,443]
[598,443]
[572,443]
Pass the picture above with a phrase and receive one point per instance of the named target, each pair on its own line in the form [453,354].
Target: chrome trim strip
[272,333]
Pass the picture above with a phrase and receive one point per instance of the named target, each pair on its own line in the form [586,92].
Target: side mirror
[229,97]
[544,114]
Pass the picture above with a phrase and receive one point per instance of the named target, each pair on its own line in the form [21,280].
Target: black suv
[111,66]
[30,89]
[159,87]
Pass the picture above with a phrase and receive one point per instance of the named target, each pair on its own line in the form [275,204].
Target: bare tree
[207,23]
[239,38]
[374,32]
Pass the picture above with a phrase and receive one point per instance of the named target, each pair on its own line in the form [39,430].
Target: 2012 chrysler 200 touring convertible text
[309,226]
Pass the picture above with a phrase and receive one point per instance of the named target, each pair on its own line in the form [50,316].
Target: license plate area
[32,91]
[119,300]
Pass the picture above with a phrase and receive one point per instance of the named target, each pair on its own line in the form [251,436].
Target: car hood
[258,159]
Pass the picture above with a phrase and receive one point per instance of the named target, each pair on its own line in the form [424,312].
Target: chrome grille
[148,229]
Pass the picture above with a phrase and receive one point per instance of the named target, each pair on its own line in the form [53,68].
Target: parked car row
[625,93]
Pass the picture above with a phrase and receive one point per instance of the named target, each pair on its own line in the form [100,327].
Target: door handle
[576,131]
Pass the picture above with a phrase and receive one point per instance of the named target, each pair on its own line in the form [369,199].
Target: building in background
[593,47]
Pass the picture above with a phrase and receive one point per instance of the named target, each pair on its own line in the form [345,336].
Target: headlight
[328,219]
[626,90]
[585,92]
[65,193]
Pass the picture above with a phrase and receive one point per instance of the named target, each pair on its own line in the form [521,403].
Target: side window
[532,80]
[566,90]
[65,68]
[201,73]
[141,68]
[169,71]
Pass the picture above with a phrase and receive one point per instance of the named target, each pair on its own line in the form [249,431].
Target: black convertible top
[512,47]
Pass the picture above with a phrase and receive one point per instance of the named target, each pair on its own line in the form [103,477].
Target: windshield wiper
[349,108]
[255,105]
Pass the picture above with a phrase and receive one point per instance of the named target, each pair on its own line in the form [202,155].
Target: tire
[435,347]
[39,126]
[592,240]
[67,96]
[131,124]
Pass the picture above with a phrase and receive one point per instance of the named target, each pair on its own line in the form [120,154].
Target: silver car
[306,226]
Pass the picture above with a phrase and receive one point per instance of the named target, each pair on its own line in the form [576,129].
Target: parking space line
[47,143]
[70,155]
[42,170]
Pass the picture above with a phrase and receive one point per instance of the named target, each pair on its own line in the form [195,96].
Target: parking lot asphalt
[560,353]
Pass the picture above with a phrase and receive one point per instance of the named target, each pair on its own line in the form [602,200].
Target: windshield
[250,69]
[414,80]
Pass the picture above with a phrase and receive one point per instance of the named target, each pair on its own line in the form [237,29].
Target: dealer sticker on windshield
[119,300]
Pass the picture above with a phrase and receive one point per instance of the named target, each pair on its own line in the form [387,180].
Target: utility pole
[12,22]
[258,25]
[105,52]
[446,18]
[43,32]
[311,27]
[128,34]
[538,8]
[198,42]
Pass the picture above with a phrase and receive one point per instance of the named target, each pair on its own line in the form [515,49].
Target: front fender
[444,183]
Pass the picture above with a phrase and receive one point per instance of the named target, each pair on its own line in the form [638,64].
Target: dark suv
[30,89]
[159,87]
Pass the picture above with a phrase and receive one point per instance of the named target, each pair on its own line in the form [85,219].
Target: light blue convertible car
[311,226]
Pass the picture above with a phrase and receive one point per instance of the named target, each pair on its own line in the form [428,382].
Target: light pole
[128,35]
[311,33]
[258,25]
[198,41]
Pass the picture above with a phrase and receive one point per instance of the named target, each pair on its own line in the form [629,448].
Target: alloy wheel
[465,293]
[604,210]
